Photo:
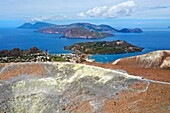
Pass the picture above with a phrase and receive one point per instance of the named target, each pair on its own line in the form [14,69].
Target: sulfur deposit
[63,87]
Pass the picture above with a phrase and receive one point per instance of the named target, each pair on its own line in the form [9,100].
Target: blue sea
[152,39]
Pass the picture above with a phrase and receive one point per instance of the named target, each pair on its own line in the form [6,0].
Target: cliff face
[68,87]
[156,59]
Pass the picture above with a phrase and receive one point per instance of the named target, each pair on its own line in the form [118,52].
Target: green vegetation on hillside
[103,47]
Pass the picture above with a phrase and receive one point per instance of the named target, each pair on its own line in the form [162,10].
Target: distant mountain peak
[26,26]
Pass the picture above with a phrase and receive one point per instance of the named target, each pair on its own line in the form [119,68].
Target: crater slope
[68,87]
[155,59]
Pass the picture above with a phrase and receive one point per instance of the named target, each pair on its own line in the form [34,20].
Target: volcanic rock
[77,88]
[156,59]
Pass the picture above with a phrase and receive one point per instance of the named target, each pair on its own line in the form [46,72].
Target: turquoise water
[151,39]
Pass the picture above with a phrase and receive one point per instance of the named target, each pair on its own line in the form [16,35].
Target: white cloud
[40,19]
[119,10]
[81,15]
[46,18]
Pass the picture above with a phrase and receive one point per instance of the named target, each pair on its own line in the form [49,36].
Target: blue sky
[74,9]
[14,12]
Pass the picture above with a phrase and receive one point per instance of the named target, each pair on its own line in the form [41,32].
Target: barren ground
[140,97]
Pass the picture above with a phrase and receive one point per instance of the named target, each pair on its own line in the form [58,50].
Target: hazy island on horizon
[78,30]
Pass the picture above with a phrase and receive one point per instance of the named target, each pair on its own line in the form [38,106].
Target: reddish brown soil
[139,86]
[2,65]
[36,69]
[82,108]
[155,100]
[154,74]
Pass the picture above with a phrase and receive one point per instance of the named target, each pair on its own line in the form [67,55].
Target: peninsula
[104,47]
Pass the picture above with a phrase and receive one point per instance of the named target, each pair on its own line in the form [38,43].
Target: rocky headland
[104,47]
